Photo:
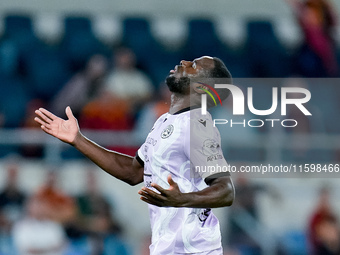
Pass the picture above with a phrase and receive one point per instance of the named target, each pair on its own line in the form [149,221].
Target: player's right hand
[65,130]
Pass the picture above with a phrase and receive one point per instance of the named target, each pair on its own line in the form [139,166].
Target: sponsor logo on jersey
[167,131]
[203,122]
[151,141]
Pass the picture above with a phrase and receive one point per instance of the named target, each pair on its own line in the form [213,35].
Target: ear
[199,87]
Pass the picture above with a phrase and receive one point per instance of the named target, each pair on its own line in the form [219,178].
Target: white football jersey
[187,146]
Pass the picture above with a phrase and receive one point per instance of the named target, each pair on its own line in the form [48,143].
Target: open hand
[65,130]
[171,197]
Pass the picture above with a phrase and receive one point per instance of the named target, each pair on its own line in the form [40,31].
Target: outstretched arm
[121,166]
[220,193]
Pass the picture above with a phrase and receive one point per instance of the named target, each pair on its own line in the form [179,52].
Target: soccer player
[176,162]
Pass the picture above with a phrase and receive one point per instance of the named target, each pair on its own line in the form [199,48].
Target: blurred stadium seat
[79,42]
[202,39]
[14,97]
[19,28]
[137,36]
[47,71]
[266,56]
[9,58]
[151,55]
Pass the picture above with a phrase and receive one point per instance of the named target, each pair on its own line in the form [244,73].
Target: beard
[178,85]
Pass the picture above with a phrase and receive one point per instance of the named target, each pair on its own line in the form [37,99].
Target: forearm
[123,167]
[221,193]
[116,164]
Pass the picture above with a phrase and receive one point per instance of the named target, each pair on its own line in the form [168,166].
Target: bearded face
[178,85]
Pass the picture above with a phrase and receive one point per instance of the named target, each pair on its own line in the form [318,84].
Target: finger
[170,180]
[147,196]
[69,113]
[172,183]
[41,122]
[43,116]
[151,201]
[48,114]
[149,193]
[46,130]
[159,188]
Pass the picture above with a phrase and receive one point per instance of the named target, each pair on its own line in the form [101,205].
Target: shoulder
[201,124]
[162,118]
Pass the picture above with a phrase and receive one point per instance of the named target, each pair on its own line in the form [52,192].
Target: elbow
[230,199]
[226,191]
[131,183]
[230,196]
[133,180]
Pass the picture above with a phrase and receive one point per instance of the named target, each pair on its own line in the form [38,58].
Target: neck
[179,102]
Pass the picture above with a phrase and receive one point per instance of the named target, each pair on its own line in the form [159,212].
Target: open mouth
[174,70]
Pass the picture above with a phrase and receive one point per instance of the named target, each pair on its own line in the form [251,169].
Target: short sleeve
[203,148]
[140,157]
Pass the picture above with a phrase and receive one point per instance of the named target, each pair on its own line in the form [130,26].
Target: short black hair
[220,70]
[219,74]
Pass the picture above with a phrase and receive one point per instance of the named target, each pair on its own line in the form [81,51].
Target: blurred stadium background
[43,44]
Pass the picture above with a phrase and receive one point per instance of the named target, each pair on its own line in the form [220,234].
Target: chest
[164,136]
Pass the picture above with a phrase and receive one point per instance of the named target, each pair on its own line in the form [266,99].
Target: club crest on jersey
[211,148]
[167,131]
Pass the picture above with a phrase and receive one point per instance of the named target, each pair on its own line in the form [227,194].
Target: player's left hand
[171,197]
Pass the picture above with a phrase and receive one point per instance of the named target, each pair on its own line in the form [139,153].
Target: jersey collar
[186,109]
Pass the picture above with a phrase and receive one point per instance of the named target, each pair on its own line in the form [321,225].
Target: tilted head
[193,78]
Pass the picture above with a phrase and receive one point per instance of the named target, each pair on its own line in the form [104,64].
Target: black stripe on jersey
[140,161]
[208,180]
[187,109]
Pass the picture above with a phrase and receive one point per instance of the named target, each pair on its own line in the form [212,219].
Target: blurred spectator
[305,124]
[36,233]
[98,222]
[151,112]
[127,82]
[11,199]
[82,87]
[107,112]
[324,232]
[93,204]
[245,209]
[317,21]
[109,109]
[59,206]
[104,239]
[34,104]
[31,150]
